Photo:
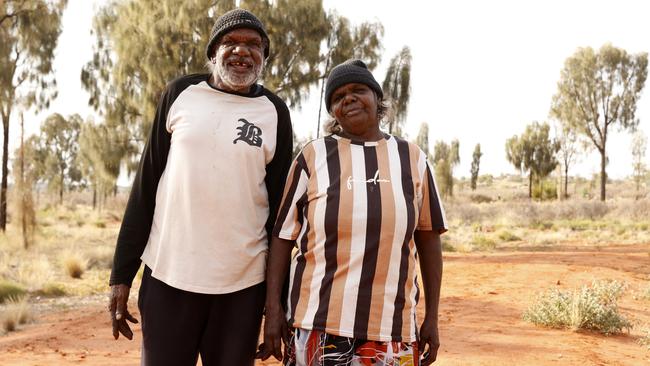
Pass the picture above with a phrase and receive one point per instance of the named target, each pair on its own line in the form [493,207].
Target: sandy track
[483,297]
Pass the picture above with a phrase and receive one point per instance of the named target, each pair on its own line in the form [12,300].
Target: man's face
[239,60]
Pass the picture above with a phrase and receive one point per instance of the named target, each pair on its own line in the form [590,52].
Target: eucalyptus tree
[476,161]
[422,140]
[29,31]
[568,148]
[598,90]
[638,149]
[397,88]
[533,152]
[60,139]
[446,157]
[344,42]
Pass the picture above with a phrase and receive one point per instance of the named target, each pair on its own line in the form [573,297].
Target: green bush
[546,191]
[51,290]
[483,242]
[593,308]
[9,290]
[505,235]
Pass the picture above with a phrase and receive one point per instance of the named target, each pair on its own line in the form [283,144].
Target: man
[202,204]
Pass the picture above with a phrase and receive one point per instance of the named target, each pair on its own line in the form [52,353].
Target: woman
[360,206]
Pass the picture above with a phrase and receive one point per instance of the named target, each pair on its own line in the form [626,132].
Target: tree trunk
[61,189]
[603,174]
[22,188]
[94,196]
[3,185]
[566,181]
[530,185]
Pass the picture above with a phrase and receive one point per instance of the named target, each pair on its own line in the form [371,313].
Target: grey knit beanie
[234,19]
[350,71]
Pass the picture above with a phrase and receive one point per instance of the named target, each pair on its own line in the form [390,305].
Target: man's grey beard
[235,81]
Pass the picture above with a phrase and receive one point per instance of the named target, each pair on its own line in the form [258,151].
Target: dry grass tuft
[15,312]
[10,290]
[74,264]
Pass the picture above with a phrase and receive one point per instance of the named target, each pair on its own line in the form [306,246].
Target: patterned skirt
[316,348]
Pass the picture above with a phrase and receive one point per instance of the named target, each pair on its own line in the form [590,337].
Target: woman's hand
[429,337]
[276,331]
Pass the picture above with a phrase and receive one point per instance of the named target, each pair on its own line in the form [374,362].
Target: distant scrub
[51,290]
[593,308]
[483,242]
[74,265]
[505,235]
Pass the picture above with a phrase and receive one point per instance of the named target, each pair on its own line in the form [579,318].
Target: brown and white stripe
[352,209]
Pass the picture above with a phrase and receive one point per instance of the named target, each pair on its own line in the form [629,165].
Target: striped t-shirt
[352,208]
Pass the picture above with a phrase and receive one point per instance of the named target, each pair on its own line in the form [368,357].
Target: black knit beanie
[234,19]
[350,71]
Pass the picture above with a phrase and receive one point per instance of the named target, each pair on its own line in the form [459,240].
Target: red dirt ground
[483,297]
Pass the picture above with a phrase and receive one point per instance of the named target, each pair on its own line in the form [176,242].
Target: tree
[142,44]
[567,140]
[24,200]
[29,30]
[476,161]
[423,139]
[60,138]
[397,88]
[446,157]
[639,147]
[598,90]
[101,152]
[345,42]
[533,152]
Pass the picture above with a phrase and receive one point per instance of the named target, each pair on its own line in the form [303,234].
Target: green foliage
[593,308]
[60,140]
[29,30]
[483,242]
[506,235]
[533,152]
[397,88]
[476,161]
[51,290]
[10,290]
[545,190]
[422,140]
[446,157]
[598,90]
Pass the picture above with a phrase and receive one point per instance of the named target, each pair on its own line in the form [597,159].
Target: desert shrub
[544,192]
[593,308]
[74,264]
[100,224]
[51,290]
[100,257]
[483,242]
[480,198]
[506,235]
[16,312]
[9,290]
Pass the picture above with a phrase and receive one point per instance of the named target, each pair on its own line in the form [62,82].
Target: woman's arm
[429,250]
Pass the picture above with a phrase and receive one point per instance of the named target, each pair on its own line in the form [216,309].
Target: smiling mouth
[353,112]
[240,65]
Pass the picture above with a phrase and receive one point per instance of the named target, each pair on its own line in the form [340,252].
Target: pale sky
[481,71]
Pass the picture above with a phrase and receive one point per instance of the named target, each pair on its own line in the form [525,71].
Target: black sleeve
[278,168]
[136,225]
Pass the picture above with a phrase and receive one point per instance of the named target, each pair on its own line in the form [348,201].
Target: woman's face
[354,106]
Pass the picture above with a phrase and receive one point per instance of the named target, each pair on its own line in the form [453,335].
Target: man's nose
[241,49]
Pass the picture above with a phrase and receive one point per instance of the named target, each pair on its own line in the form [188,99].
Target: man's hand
[276,331]
[119,313]
[429,336]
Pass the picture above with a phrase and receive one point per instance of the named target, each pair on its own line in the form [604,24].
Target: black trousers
[178,326]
